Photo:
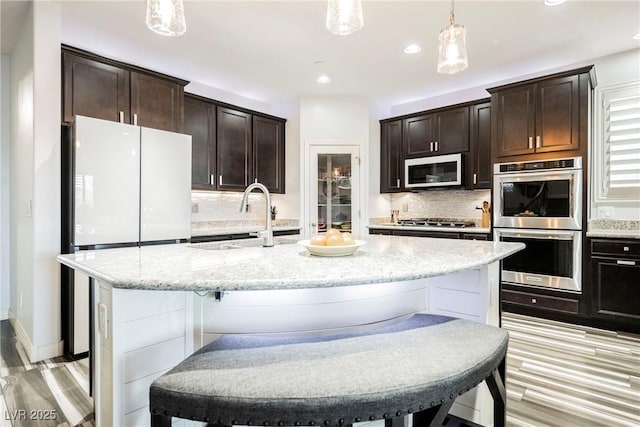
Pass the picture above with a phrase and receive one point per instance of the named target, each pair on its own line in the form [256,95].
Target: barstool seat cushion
[340,379]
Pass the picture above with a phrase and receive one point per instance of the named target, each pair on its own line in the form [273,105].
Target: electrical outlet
[605,212]
[20,302]
[405,207]
[195,208]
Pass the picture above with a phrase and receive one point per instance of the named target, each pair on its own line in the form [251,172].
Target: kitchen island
[154,305]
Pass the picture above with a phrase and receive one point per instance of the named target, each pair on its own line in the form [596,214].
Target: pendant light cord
[452,17]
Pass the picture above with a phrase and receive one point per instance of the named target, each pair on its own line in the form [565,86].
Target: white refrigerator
[125,186]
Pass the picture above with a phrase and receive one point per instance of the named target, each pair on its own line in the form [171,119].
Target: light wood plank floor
[558,375]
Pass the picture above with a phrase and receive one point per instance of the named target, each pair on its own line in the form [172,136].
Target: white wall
[5,162]
[22,141]
[336,120]
[46,208]
[35,182]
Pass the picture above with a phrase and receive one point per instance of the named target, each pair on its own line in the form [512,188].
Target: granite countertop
[614,234]
[391,226]
[617,229]
[284,266]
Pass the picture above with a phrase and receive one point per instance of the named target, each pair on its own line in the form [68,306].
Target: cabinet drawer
[544,302]
[616,248]
[476,236]
[616,290]
[380,231]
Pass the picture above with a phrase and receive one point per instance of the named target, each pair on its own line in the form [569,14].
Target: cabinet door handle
[538,141]
[436,144]
[475,178]
[121,116]
[534,301]
[530,142]
[211,179]
[625,262]
[431,146]
[135,120]
[220,180]
[625,248]
[398,182]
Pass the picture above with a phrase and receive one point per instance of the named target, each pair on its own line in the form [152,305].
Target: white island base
[140,334]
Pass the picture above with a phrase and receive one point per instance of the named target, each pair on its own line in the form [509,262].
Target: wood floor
[50,393]
[557,375]
[567,375]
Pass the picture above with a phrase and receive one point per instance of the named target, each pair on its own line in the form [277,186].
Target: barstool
[418,366]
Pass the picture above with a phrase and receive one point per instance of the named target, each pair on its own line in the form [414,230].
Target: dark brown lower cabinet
[615,276]
[428,233]
[537,301]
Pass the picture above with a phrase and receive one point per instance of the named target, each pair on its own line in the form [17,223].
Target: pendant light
[166,17]
[452,52]
[344,17]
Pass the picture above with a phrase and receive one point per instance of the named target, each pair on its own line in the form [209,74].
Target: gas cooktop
[436,222]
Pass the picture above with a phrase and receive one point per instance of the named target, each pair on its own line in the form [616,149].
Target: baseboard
[35,353]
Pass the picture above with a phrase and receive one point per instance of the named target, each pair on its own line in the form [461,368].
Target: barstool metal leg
[160,421]
[496,383]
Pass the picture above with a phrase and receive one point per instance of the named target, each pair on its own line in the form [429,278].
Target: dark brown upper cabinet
[156,103]
[234,160]
[391,157]
[233,147]
[200,123]
[478,165]
[93,89]
[268,153]
[99,87]
[441,132]
[542,115]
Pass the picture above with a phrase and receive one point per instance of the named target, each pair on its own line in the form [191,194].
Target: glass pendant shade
[166,17]
[344,17]
[452,52]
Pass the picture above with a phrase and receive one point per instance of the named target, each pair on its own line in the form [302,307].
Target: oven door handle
[555,235]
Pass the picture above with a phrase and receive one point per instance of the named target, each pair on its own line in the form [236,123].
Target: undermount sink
[240,244]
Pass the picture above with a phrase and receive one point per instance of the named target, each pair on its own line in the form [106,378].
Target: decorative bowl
[341,250]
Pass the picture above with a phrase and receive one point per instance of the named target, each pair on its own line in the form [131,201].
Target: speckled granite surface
[629,229]
[284,266]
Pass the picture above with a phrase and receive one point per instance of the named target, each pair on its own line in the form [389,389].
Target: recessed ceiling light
[553,2]
[323,79]
[412,48]
[636,36]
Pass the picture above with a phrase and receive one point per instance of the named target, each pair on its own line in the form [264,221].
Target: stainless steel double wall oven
[539,203]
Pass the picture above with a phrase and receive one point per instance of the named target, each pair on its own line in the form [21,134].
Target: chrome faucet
[267,234]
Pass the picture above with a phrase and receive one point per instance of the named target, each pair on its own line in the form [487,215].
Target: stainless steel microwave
[435,171]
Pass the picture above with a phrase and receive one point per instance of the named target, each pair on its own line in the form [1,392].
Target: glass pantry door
[333,192]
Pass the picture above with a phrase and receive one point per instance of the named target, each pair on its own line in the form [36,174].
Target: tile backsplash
[215,210]
[453,204]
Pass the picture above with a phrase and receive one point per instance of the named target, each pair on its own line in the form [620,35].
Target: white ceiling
[267,50]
